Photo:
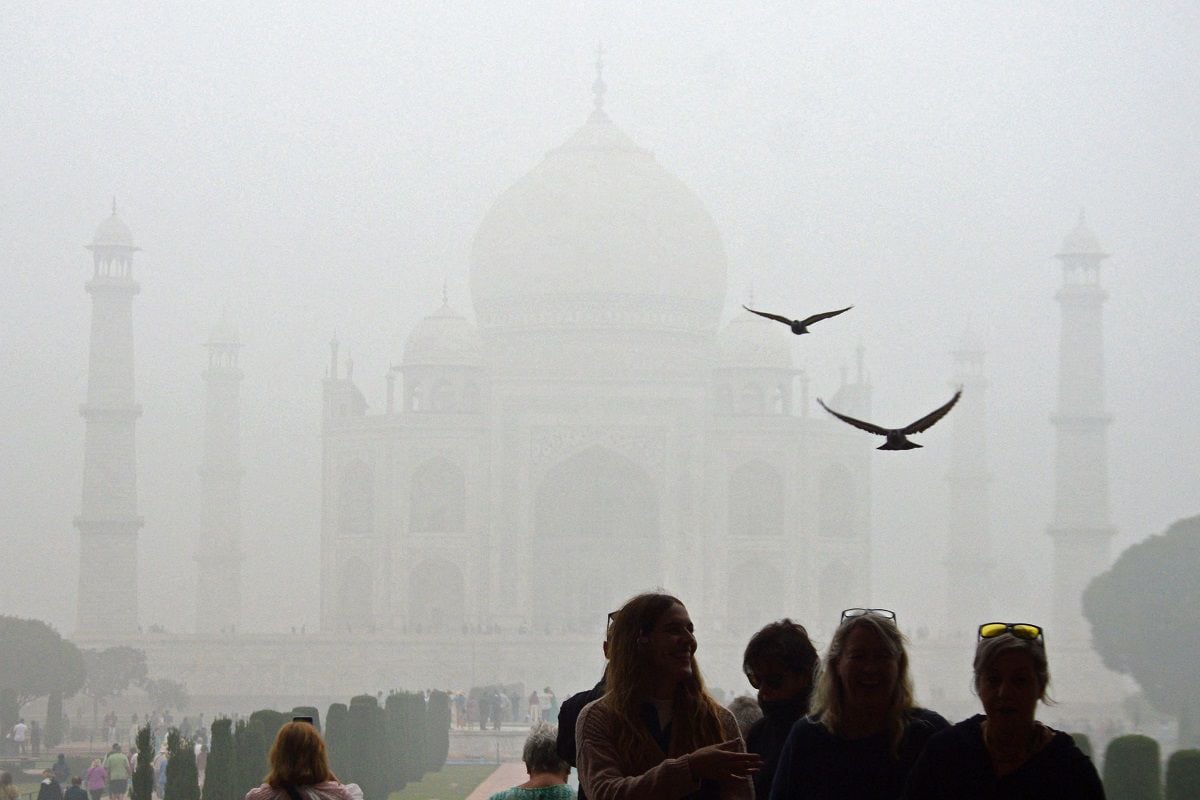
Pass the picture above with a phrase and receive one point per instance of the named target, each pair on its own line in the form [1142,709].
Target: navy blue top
[956,766]
[816,765]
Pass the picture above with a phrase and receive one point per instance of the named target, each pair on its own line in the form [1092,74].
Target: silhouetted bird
[897,438]
[800,326]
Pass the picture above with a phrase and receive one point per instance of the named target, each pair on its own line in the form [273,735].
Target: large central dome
[598,235]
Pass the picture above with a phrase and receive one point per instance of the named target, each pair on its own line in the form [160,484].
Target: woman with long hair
[864,731]
[300,769]
[656,734]
[1005,752]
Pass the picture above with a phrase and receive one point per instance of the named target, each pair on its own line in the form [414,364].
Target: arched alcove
[435,597]
[438,498]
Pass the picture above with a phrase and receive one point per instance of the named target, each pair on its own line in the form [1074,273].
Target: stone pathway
[508,774]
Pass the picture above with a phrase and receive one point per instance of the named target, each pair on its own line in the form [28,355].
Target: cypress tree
[368,737]
[437,731]
[1083,743]
[1131,769]
[183,779]
[1183,775]
[271,722]
[9,711]
[337,728]
[251,747]
[143,775]
[412,732]
[308,711]
[397,776]
[54,720]
[220,773]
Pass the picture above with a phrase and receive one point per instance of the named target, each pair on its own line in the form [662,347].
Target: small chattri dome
[1081,241]
[444,338]
[224,332]
[755,343]
[113,232]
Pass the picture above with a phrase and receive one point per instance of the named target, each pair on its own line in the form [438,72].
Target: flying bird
[897,438]
[800,326]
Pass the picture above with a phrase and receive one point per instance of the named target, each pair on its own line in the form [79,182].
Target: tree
[437,731]
[35,660]
[183,779]
[220,774]
[110,672]
[54,720]
[1183,775]
[1141,612]
[1131,768]
[271,721]
[337,728]
[368,751]
[143,775]
[251,745]
[166,693]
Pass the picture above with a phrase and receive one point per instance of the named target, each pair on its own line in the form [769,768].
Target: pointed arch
[597,508]
[836,502]
[438,497]
[756,500]
[435,597]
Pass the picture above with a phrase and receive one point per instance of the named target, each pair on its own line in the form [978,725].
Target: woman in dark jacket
[1005,753]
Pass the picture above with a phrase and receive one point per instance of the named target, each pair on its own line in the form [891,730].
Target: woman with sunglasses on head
[864,731]
[656,734]
[1005,752]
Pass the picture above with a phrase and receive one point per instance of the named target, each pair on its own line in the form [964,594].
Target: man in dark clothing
[49,788]
[75,790]
[779,662]
[568,713]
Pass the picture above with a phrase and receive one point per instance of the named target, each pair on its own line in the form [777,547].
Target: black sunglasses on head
[853,613]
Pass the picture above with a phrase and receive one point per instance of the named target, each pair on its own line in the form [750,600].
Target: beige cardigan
[651,776]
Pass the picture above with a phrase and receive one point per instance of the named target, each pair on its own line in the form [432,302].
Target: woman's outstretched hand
[723,761]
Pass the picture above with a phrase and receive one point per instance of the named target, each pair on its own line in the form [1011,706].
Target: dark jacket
[956,766]
[568,714]
[49,790]
[767,735]
[816,765]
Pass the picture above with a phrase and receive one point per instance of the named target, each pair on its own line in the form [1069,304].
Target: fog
[312,170]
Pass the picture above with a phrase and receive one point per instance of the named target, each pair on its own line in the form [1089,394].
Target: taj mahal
[586,429]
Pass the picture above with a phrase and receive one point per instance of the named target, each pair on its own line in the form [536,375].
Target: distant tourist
[657,733]
[19,736]
[745,712]
[547,772]
[49,789]
[96,779]
[75,791]
[61,770]
[117,766]
[299,768]
[1006,753]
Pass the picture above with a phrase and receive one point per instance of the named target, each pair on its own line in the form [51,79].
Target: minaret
[108,521]
[1081,529]
[969,548]
[219,590]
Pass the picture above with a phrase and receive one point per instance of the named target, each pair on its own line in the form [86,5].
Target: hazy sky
[318,168]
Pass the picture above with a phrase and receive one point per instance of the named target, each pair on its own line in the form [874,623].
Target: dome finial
[598,87]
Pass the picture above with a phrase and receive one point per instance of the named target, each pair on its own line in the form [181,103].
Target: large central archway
[596,539]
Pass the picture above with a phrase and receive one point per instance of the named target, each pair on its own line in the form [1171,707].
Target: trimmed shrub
[1183,775]
[1131,769]
[251,746]
[183,779]
[337,743]
[1084,743]
[220,773]
[368,746]
[143,776]
[271,722]
[308,711]
[54,721]
[437,731]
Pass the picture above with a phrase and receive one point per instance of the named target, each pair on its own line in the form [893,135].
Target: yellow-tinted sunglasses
[1021,630]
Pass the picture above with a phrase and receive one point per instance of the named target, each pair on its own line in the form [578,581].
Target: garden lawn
[454,782]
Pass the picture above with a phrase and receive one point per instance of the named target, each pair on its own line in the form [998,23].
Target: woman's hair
[829,697]
[541,751]
[95,762]
[298,757]
[630,679]
[988,650]
[784,641]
